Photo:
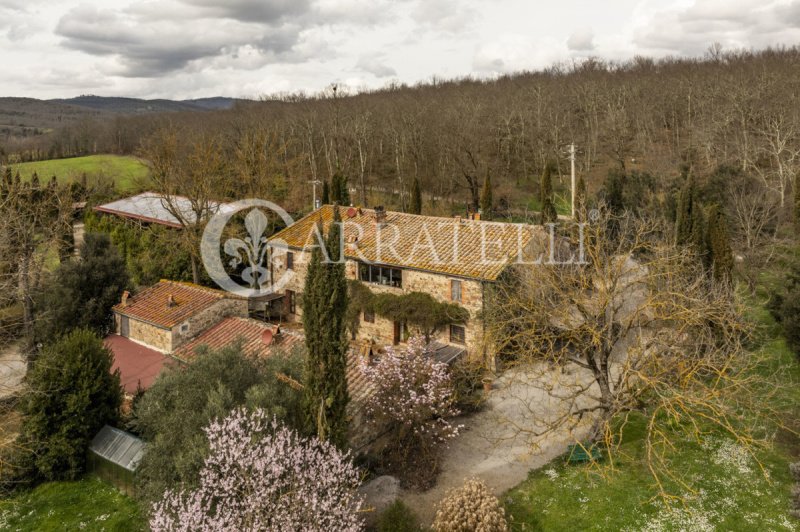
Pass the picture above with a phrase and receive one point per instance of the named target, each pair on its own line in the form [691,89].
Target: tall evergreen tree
[797,203]
[615,191]
[549,214]
[325,319]
[486,199]
[580,200]
[690,223]
[73,393]
[340,192]
[415,207]
[82,292]
[326,193]
[719,245]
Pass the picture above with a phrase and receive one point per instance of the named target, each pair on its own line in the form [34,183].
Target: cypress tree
[486,199]
[326,193]
[580,200]
[415,207]
[690,223]
[719,245]
[797,203]
[549,214]
[340,193]
[325,304]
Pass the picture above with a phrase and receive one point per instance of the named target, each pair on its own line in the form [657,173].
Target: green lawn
[731,493]
[125,171]
[87,504]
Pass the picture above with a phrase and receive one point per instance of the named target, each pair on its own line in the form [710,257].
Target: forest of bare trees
[736,110]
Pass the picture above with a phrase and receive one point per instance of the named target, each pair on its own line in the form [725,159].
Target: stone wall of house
[155,337]
[209,317]
[381,332]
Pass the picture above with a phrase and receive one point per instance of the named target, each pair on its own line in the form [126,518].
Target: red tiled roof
[137,364]
[233,329]
[357,384]
[476,249]
[151,304]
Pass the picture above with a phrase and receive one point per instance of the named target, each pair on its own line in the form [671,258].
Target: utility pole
[572,173]
[314,183]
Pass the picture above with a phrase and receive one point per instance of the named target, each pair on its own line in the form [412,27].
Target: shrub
[83,291]
[260,475]
[172,413]
[412,398]
[398,518]
[72,395]
[470,508]
[467,377]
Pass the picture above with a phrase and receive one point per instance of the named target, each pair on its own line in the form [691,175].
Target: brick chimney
[380,215]
[171,300]
[125,296]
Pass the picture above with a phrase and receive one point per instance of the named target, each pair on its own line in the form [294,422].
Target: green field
[87,504]
[730,490]
[125,171]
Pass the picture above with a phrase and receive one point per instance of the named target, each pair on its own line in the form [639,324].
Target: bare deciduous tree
[638,328]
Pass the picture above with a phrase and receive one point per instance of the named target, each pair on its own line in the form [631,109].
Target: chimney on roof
[380,215]
[125,296]
[171,300]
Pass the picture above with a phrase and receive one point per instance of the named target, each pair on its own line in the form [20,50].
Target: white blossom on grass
[260,475]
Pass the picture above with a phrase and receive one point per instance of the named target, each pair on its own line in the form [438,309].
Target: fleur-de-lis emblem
[252,250]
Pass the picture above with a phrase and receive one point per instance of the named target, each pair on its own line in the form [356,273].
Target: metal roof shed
[114,456]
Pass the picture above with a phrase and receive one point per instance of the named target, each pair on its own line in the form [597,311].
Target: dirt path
[490,448]
[13,367]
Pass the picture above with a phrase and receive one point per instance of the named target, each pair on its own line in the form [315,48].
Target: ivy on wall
[417,309]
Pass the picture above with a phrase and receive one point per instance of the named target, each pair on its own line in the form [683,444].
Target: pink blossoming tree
[260,475]
[412,396]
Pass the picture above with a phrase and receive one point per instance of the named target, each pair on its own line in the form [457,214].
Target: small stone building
[153,325]
[452,259]
[169,313]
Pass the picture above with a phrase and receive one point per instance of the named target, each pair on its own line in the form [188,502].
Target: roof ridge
[195,286]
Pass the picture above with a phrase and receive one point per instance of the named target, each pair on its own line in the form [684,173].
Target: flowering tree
[260,475]
[413,397]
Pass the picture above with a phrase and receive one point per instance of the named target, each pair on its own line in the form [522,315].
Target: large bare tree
[193,166]
[635,327]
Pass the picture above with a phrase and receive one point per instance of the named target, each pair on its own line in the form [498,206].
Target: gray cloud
[581,40]
[745,23]
[450,16]
[146,47]
[373,65]
[270,11]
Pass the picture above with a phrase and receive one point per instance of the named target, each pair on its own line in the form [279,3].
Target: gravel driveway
[13,367]
[492,449]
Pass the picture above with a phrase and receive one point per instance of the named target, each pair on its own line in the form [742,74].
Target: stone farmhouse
[165,323]
[452,259]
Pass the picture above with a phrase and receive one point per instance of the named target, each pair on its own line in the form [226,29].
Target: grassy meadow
[125,171]
[87,504]
[730,490]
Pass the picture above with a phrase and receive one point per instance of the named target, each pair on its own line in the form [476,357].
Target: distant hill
[29,116]
[135,105]
[25,117]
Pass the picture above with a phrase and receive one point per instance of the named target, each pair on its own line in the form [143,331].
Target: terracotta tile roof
[250,332]
[151,304]
[466,248]
[357,385]
[137,364]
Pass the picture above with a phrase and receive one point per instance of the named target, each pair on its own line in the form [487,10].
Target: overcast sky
[246,48]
